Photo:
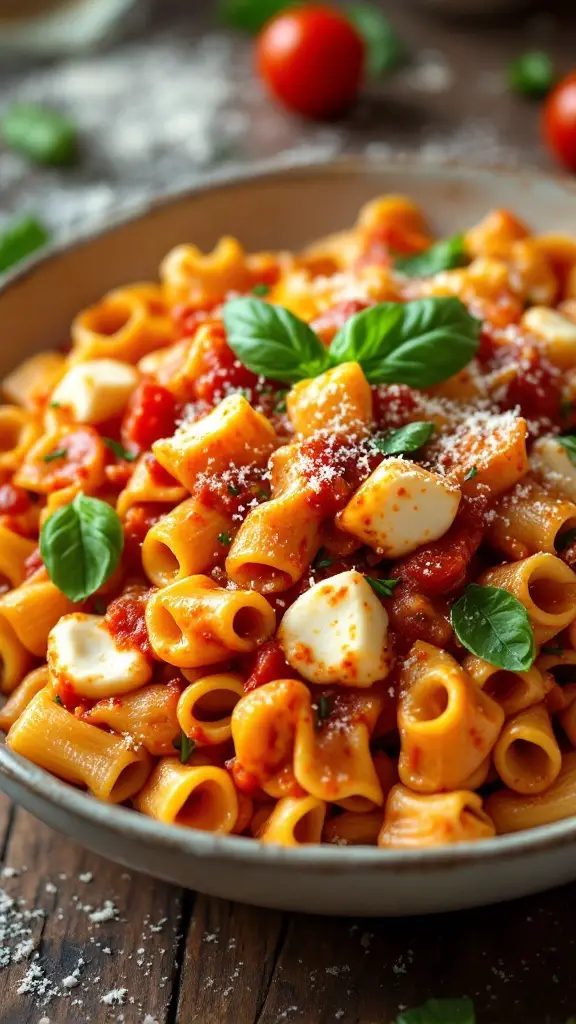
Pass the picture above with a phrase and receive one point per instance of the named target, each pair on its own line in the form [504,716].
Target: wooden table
[155,953]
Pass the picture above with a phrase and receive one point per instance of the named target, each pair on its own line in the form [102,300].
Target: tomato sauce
[327,324]
[138,521]
[266,665]
[152,413]
[13,500]
[125,621]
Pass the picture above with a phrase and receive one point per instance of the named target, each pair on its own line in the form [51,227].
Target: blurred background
[160,92]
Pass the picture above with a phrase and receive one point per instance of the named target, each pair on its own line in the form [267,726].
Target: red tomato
[151,414]
[559,121]
[311,59]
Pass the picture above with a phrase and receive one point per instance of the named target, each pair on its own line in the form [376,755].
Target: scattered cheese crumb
[115,997]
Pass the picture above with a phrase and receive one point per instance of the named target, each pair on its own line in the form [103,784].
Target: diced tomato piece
[536,387]
[125,620]
[13,500]
[327,324]
[151,414]
[138,521]
[268,664]
[33,563]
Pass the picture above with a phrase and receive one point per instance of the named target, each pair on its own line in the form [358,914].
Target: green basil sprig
[384,588]
[43,135]
[384,48]
[249,15]
[407,439]
[494,625]
[119,450]
[444,255]
[80,545]
[419,343]
[440,1011]
[568,442]
[532,74]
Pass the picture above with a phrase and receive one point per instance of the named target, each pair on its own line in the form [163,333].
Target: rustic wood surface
[154,953]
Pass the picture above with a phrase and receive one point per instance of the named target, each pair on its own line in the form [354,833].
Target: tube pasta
[205,708]
[14,551]
[295,821]
[415,820]
[567,717]
[126,325]
[338,400]
[184,542]
[353,828]
[513,691]
[201,797]
[15,658]
[143,488]
[195,622]
[147,715]
[529,519]
[77,752]
[514,812]
[32,610]
[440,710]
[234,433]
[19,429]
[526,755]
[31,381]
[20,698]
[546,588]
[264,724]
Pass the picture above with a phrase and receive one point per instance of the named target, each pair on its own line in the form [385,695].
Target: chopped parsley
[58,453]
[322,560]
[234,491]
[224,538]
[58,700]
[119,450]
[383,588]
[261,290]
[185,746]
[471,474]
[323,711]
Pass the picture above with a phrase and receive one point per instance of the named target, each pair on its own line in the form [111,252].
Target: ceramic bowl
[276,207]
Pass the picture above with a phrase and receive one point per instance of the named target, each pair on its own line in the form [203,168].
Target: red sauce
[395,405]
[441,567]
[245,781]
[151,414]
[536,388]
[158,474]
[188,318]
[125,620]
[33,563]
[335,467]
[13,500]
[266,665]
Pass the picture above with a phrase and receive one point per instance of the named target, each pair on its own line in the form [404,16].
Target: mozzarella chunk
[84,654]
[556,332]
[399,507]
[337,632]
[96,390]
[552,464]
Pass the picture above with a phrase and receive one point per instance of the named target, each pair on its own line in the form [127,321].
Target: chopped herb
[261,290]
[261,493]
[20,239]
[235,491]
[407,439]
[568,442]
[58,700]
[281,401]
[471,474]
[532,74]
[322,561]
[40,133]
[224,538]
[384,588]
[185,746]
[558,651]
[565,539]
[55,405]
[58,453]
[119,450]
[323,710]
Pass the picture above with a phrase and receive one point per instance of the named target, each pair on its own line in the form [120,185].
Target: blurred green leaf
[20,239]
[532,74]
[385,49]
[250,15]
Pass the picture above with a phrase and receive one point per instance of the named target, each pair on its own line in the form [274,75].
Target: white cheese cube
[556,333]
[96,390]
[337,632]
[84,654]
[552,464]
[399,507]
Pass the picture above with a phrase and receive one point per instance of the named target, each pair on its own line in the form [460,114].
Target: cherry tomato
[311,59]
[559,121]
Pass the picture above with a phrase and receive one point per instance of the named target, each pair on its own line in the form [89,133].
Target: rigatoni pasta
[288,541]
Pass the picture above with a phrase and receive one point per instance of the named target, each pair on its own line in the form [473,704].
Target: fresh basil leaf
[444,255]
[494,625]
[270,340]
[323,710]
[440,1011]
[80,545]
[384,588]
[384,49]
[119,450]
[472,472]
[20,239]
[568,442]
[406,439]
[249,15]
[419,343]
[261,290]
[40,133]
[532,74]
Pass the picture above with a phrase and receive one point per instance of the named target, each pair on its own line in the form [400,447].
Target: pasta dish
[288,541]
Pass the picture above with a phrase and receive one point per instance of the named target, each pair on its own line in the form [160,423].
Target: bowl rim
[41,785]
